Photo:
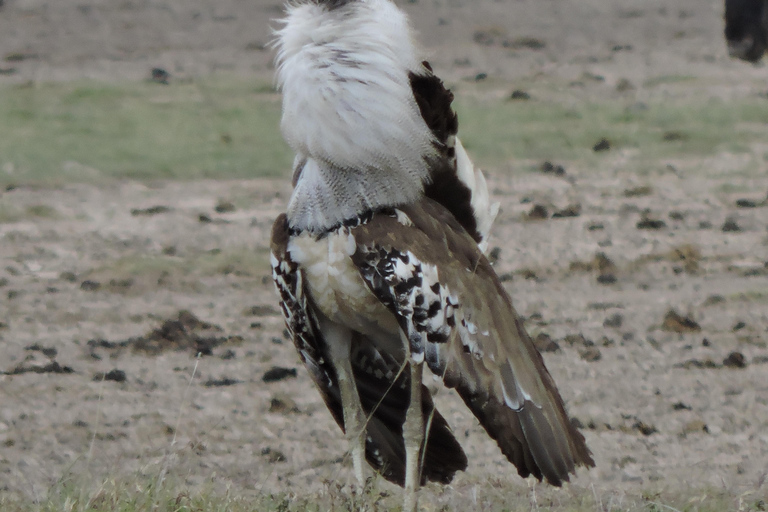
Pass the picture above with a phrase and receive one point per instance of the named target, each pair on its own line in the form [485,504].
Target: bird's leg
[413,436]
[354,416]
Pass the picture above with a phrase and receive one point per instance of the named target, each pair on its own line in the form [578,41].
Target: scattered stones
[548,167]
[601,145]
[544,343]
[697,364]
[590,354]
[530,43]
[624,85]
[674,136]
[578,340]
[113,375]
[712,300]
[750,203]
[283,405]
[676,215]
[148,212]
[519,95]
[49,352]
[731,226]
[273,455]
[70,277]
[614,321]
[278,373]
[226,381]
[538,212]
[674,322]
[648,222]
[644,428]
[185,332]
[159,76]
[494,254]
[607,279]
[52,367]
[228,355]
[90,286]
[640,191]
[735,360]
[572,210]
[225,207]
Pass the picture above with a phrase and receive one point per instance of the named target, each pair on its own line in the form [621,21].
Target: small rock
[159,76]
[601,145]
[680,406]
[549,168]
[730,226]
[591,354]
[530,43]
[624,85]
[273,455]
[739,326]
[607,278]
[544,343]
[519,94]
[614,321]
[152,210]
[697,363]
[205,219]
[676,323]
[282,405]
[735,360]
[226,381]
[493,256]
[225,207]
[640,191]
[228,355]
[90,286]
[646,222]
[572,210]
[277,373]
[674,136]
[676,215]
[644,428]
[748,203]
[70,277]
[538,212]
[113,375]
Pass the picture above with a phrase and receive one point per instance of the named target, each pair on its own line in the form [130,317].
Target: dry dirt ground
[659,321]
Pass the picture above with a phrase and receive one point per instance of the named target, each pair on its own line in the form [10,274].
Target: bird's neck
[349,112]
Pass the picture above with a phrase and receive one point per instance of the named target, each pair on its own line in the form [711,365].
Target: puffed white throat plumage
[349,112]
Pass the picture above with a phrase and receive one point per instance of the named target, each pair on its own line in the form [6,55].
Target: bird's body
[379,262]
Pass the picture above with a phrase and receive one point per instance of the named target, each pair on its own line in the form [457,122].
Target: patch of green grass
[87,131]
[496,132]
[229,128]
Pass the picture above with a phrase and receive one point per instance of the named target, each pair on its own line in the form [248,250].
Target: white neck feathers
[349,112]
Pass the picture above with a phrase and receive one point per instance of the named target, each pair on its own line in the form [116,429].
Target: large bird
[379,261]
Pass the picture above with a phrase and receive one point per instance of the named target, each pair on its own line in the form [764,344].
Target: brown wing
[429,272]
[375,374]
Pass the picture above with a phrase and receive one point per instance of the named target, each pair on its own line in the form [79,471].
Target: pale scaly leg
[413,436]
[340,342]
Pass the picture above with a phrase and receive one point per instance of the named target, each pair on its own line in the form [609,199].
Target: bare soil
[653,288]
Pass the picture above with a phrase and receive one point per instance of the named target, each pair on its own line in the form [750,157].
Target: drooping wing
[380,388]
[454,181]
[430,274]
